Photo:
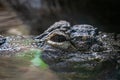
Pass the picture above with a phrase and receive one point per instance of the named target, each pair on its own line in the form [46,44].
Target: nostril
[2,40]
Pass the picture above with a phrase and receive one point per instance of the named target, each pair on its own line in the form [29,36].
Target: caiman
[78,52]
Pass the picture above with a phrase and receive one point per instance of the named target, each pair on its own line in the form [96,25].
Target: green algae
[37,61]
[34,57]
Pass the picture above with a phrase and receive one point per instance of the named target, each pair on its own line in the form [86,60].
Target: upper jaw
[68,61]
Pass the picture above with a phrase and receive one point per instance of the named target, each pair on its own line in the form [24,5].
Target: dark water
[40,14]
[20,69]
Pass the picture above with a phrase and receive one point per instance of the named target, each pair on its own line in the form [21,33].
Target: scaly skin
[78,52]
[81,52]
[11,45]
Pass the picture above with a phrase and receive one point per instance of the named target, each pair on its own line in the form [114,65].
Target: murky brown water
[19,69]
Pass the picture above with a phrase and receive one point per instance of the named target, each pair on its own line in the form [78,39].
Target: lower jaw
[80,73]
[98,72]
[76,76]
[83,66]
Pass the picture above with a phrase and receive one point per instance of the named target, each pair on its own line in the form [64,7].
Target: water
[12,68]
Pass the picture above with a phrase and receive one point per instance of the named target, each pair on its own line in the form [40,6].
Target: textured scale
[78,52]
[83,52]
[16,44]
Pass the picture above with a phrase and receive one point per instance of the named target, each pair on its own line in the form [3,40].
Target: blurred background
[24,17]
[32,17]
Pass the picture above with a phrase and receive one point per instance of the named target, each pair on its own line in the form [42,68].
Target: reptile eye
[58,38]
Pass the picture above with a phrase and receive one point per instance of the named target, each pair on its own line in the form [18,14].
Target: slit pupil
[58,38]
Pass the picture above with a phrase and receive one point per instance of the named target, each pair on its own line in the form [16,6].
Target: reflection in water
[12,68]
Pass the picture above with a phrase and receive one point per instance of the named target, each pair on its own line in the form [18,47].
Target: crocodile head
[74,52]
[77,50]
